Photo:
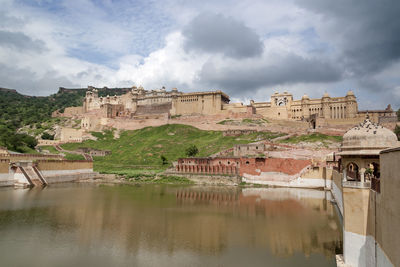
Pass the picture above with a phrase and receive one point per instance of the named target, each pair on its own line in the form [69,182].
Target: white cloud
[141,42]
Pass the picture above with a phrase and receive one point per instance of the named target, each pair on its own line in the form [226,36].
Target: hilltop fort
[136,103]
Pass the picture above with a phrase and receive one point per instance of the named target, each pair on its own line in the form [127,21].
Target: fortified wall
[38,170]
[140,104]
[4,173]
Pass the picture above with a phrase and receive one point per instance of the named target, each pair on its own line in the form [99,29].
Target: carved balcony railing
[351,175]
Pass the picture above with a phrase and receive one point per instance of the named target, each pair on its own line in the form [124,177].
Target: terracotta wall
[287,166]
[251,166]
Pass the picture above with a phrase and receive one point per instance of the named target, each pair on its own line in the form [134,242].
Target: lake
[167,225]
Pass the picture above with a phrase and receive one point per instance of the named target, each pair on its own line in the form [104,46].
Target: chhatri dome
[350,92]
[326,94]
[367,138]
[305,96]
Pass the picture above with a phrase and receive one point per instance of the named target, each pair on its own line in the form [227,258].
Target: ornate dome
[305,96]
[326,95]
[350,92]
[367,138]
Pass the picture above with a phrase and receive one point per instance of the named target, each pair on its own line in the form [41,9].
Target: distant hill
[17,110]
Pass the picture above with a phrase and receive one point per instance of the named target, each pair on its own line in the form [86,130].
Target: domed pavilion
[360,150]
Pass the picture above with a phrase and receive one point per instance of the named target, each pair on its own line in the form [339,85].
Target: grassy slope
[315,137]
[141,149]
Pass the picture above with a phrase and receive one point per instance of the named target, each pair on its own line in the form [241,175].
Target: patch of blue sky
[53,6]
[143,20]
[314,43]
[93,56]
[276,33]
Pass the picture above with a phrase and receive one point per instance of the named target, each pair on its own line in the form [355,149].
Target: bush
[192,151]
[397,132]
[47,136]
[164,160]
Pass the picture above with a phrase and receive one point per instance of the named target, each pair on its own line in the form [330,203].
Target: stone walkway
[85,155]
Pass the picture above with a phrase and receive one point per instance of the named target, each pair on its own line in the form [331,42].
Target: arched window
[352,172]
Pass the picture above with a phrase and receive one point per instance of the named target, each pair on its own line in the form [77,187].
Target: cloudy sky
[247,48]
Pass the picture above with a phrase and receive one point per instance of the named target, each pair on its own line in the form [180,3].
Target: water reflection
[155,225]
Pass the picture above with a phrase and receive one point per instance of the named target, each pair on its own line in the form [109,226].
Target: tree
[30,141]
[47,136]
[398,114]
[164,160]
[397,132]
[192,151]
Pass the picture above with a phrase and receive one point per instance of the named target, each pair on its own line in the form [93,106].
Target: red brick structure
[218,165]
[240,165]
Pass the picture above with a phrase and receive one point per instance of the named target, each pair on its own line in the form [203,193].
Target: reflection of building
[295,222]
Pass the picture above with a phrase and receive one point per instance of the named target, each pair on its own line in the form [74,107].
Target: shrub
[47,136]
[192,151]
[397,132]
[164,160]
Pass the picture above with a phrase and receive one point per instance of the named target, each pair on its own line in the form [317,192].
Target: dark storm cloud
[27,82]
[20,41]
[242,79]
[216,33]
[365,32]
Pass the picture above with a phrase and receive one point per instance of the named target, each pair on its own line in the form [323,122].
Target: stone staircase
[33,176]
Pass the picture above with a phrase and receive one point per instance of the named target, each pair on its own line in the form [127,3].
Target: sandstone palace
[282,106]
[140,102]
[136,103]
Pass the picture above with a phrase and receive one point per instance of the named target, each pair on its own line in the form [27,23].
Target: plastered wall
[356,205]
[388,206]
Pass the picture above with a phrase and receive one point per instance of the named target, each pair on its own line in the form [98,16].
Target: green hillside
[314,137]
[142,149]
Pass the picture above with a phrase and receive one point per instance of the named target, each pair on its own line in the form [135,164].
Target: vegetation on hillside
[248,122]
[398,114]
[397,132]
[312,138]
[18,110]
[142,149]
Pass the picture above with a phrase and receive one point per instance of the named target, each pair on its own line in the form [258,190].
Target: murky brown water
[154,225]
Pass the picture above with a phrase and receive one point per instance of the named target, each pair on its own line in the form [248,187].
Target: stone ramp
[33,176]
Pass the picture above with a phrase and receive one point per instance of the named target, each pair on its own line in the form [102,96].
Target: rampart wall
[5,179]
[21,157]
[46,165]
[4,164]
